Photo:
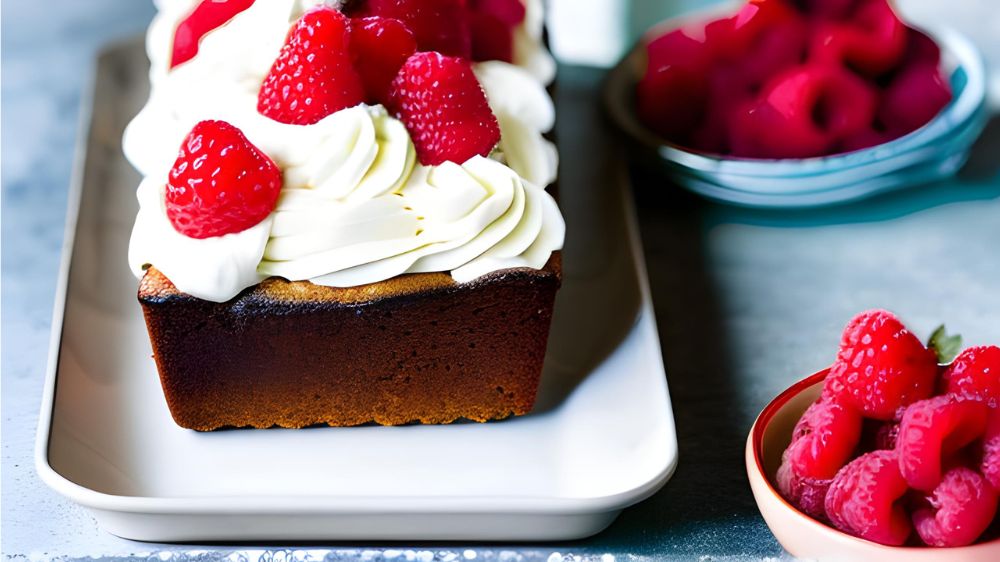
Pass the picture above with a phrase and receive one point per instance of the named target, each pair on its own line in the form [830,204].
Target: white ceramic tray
[602,437]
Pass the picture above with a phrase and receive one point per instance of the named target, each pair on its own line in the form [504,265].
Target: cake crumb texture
[415,348]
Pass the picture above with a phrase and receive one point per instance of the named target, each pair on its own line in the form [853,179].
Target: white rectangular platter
[601,438]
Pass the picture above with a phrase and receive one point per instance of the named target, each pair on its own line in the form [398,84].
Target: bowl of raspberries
[892,451]
[799,103]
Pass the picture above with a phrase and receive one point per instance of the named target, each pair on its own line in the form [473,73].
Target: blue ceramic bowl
[935,151]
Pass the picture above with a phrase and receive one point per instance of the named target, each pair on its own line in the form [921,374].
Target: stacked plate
[936,150]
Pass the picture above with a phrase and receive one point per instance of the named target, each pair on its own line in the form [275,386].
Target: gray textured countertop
[747,302]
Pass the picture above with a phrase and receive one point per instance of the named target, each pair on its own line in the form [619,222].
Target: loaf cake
[355,228]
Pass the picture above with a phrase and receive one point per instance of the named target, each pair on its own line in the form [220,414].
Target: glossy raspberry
[438,25]
[802,113]
[872,41]
[990,464]
[881,367]
[827,9]
[823,439]
[920,48]
[379,47]
[444,108]
[206,16]
[671,97]
[220,183]
[975,373]
[313,75]
[807,494]
[492,39]
[864,499]
[887,435]
[775,49]
[728,90]
[959,509]
[917,93]
[934,429]
[510,12]
[878,435]
[865,138]
[492,24]
[731,39]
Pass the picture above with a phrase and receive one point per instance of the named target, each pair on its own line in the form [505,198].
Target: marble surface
[747,302]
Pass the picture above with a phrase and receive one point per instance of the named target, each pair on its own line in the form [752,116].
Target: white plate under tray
[602,437]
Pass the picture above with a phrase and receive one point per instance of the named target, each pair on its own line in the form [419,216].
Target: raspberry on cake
[442,104]
[314,74]
[206,16]
[313,256]
[379,47]
[220,183]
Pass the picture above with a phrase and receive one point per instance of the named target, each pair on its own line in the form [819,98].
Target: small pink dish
[801,535]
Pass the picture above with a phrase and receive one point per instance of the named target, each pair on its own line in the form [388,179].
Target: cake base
[415,348]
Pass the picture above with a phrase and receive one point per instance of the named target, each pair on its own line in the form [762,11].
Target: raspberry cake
[344,220]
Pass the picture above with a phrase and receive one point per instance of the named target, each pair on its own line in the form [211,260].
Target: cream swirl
[214,269]
[468,219]
[524,109]
[529,48]
[355,208]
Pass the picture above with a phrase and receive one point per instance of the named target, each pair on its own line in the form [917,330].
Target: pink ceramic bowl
[801,535]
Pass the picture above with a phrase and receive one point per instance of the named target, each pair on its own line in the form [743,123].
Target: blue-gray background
[747,302]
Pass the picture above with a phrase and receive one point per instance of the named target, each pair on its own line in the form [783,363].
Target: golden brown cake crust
[414,348]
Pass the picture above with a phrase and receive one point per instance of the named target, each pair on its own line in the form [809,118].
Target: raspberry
[864,499]
[865,138]
[671,96]
[917,93]
[313,75]
[991,450]
[881,367]
[807,494]
[959,509]
[775,49]
[206,16]
[730,39]
[492,24]
[887,436]
[823,439]
[920,48]
[728,90]
[872,41]
[934,429]
[878,435]
[827,9]
[443,106]
[975,373]
[438,25]
[379,47]
[492,39]
[220,183]
[802,113]
[510,12]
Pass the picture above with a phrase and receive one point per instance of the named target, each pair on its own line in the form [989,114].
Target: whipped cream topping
[355,206]
[222,82]
[530,52]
